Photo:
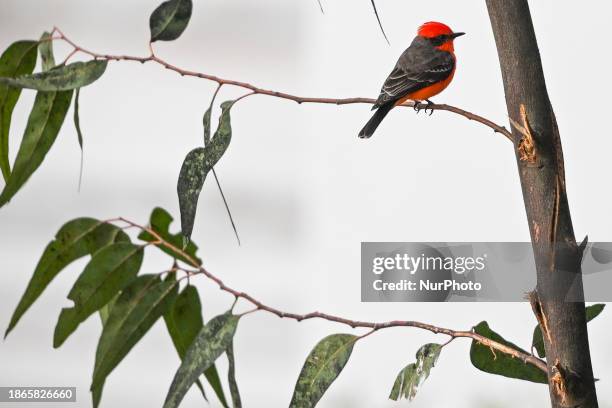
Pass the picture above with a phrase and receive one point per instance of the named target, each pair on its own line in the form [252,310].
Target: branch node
[526,146]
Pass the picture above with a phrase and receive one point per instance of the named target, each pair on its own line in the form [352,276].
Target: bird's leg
[429,106]
[416,106]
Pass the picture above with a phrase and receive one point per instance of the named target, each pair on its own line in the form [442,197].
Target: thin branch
[321,6]
[379,22]
[282,95]
[374,326]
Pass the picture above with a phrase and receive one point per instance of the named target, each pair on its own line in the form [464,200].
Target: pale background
[303,189]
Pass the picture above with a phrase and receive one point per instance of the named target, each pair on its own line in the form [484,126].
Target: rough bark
[558,298]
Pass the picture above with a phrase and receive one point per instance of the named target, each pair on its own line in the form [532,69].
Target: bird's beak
[455,35]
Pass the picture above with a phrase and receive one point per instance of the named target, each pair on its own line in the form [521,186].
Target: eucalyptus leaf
[485,359]
[322,367]
[231,377]
[74,240]
[538,341]
[206,123]
[17,60]
[184,321]
[138,307]
[108,272]
[105,310]
[160,223]
[170,19]
[212,340]
[45,48]
[44,123]
[77,126]
[196,166]
[60,78]
[413,375]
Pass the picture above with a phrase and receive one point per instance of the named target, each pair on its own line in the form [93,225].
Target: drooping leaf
[322,367]
[108,272]
[170,19]
[75,239]
[485,359]
[413,375]
[60,78]
[206,122]
[138,307]
[43,125]
[231,377]
[45,48]
[538,341]
[184,321]
[77,126]
[212,340]
[18,59]
[196,166]
[160,223]
[406,383]
[105,310]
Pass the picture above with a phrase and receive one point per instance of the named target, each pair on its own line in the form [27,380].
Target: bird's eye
[439,40]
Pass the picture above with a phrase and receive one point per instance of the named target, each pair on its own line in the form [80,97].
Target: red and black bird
[425,69]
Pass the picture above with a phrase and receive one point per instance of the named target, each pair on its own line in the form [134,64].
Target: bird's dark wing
[419,66]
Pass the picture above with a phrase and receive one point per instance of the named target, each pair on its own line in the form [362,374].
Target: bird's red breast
[429,91]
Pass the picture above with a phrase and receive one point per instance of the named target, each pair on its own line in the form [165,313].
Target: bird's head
[439,35]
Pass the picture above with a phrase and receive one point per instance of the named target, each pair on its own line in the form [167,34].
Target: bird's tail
[379,115]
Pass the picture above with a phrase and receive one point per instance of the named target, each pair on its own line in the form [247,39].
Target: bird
[423,70]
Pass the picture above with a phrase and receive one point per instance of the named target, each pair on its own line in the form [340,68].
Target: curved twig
[374,326]
[282,95]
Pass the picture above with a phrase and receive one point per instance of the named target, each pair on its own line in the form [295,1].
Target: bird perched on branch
[425,69]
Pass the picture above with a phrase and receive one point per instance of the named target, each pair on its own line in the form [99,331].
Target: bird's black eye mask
[439,40]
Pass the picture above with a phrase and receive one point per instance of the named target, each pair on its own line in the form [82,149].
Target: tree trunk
[558,299]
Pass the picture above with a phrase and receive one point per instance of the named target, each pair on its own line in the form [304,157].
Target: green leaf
[485,359]
[18,59]
[231,377]
[160,223]
[322,367]
[212,340]
[108,272]
[105,310]
[75,239]
[406,383]
[196,166]
[170,19]
[77,126]
[138,307]
[184,321]
[413,375]
[60,78]
[43,125]
[206,123]
[538,341]
[77,121]
[45,48]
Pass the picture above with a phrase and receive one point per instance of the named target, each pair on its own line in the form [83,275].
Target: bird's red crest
[433,29]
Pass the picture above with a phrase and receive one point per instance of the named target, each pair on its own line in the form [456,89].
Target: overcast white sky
[303,189]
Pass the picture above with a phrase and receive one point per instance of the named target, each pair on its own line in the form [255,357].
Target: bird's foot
[417,106]
[429,106]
